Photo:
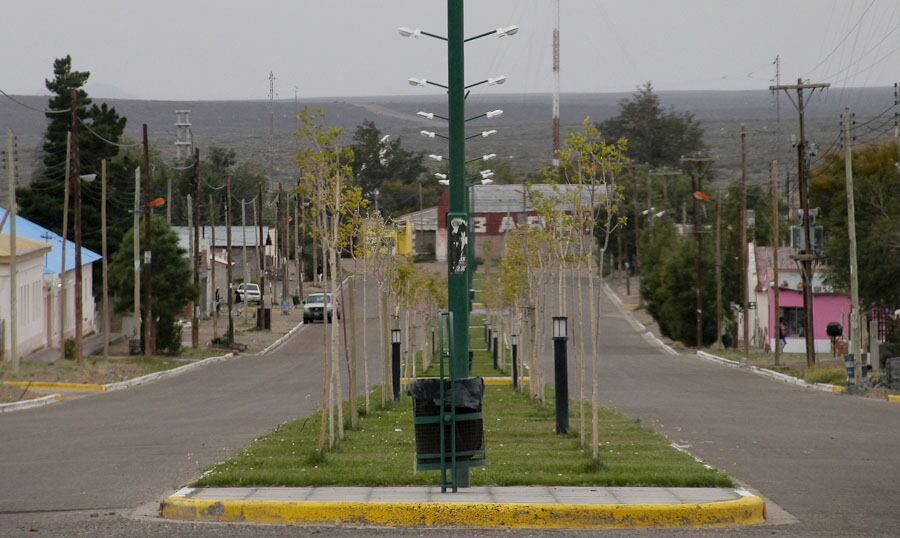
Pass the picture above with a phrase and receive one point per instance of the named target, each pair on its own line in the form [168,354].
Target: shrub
[69,349]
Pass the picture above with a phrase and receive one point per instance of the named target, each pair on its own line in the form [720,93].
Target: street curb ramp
[747,510]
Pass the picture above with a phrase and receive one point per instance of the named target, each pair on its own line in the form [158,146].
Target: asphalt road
[99,465]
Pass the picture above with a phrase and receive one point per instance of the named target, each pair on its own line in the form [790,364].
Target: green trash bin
[469,393]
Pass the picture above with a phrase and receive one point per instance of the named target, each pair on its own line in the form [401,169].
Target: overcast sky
[224,49]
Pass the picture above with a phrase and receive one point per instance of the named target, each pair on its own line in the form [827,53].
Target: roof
[237,235]
[29,230]
[425,220]
[24,246]
[786,264]
[515,198]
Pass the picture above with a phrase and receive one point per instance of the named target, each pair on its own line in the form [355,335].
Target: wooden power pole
[148,251]
[745,255]
[699,161]
[718,241]
[807,254]
[228,269]
[62,261]
[776,243]
[195,254]
[212,266]
[104,262]
[76,193]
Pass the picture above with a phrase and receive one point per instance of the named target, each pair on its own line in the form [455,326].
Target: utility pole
[212,265]
[137,254]
[228,270]
[745,255]
[296,223]
[13,285]
[556,86]
[665,173]
[807,255]
[282,242]
[104,262]
[169,201]
[257,265]
[62,264]
[897,123]
[718,240]
[855,333]
[637,227]
[244,240]
[261,319]
[776,243]
[195,251]
[148,252]
[699,161]
[76,182]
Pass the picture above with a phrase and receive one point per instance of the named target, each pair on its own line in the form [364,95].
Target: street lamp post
[514,340]
[560,359]
[395,362]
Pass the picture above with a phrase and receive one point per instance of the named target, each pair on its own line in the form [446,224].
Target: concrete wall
[30,305]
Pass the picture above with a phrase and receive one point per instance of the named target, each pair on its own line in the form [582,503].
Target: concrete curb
[746,510]
[639,327]
[29,404]
[825,387]
[283,339]
[493,380]
[165,373]
[52,385]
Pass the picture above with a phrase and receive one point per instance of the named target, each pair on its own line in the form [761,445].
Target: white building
[31,306]
[51,285]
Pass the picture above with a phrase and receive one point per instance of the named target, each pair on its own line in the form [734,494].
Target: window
[795,318]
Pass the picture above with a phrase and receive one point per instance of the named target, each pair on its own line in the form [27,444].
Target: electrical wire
[47,111]
[843,39]
[110,142]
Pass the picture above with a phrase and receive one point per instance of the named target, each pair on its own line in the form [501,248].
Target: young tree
[173,287]
[591,163]
[324,165]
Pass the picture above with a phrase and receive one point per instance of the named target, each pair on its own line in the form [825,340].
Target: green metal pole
[458,281]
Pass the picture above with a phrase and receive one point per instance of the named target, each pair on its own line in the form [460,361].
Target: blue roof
[52,260]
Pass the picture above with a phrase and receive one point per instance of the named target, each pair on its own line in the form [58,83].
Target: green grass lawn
[828,369]
[521,446]
[96,369]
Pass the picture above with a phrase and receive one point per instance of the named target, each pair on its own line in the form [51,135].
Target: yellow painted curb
[893,397]
[498,380]
[837,388]
[744,511]
[57,386]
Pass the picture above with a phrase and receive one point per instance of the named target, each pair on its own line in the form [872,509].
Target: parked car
[249,292]
[315,305]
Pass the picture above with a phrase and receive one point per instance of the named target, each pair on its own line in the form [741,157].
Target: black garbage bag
[469,392]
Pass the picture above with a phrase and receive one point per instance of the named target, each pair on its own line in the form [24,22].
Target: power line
[110,142]
[843,39]
[20,103]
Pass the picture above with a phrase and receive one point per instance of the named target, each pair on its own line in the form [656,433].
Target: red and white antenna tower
[556,86]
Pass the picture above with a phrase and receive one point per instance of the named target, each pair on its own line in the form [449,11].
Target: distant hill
[524,129]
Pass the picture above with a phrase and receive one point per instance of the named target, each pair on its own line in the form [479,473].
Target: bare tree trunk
[579,349]
[326,385]
[350,321]
[386,381]
[595,380]
[365,325]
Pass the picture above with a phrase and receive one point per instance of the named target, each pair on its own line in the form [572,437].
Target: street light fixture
[482,134]
[444,182]
[88,178]
[561,373]
[430,115]
[487,174]
[422,82]
[440,175]
[491,81]
[437,158]
[432,134]
[489,115]
[487,181]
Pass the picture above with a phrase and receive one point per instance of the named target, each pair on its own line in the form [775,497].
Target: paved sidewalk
[512,507]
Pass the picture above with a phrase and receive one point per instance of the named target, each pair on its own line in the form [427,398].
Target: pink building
[828,306]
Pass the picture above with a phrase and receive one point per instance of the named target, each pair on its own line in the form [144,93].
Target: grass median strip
[522,449]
